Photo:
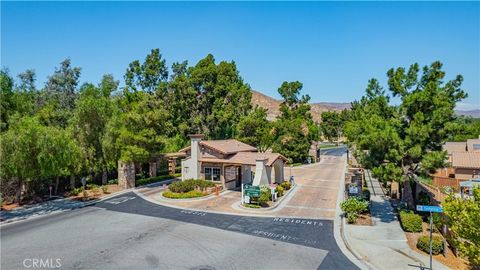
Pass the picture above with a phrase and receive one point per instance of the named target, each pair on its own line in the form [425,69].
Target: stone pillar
[278,167]
[172,165]
[126,174]
[261,177]
[153,168]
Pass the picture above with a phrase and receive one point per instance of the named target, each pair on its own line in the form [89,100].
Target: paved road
[127,232]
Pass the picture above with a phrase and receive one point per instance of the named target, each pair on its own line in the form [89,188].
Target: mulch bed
[112,188]
[364,219]
[450,260]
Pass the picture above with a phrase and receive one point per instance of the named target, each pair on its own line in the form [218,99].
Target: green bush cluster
[365,195]
[186,195]
[91,186]
[410,221]
[112,182]
[286,185]
[76,191]
[352,207]
[280,190]
[249,205]
[423,243]
[189,185]
[265,196]
[146,181]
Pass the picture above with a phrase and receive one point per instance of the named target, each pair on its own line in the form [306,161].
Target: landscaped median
[264,200]
[190,188]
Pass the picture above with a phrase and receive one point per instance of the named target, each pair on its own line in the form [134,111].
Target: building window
[212,174]
[185,170]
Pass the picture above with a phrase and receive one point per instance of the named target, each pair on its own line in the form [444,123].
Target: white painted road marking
[119,200]
[299,221]
[196,213]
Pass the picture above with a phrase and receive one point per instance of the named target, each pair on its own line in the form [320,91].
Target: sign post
[249,192]
[431,209]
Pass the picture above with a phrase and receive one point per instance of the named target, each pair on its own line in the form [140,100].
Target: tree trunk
[153,168]
[56,184]
[19,192]
[104,177]
[72,181]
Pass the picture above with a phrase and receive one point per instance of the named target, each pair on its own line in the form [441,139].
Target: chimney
[261,177]
[195,154]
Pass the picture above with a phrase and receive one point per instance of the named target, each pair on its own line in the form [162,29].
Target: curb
[203,198]
[338,228]
[83,204]
[248,214]
[286,197]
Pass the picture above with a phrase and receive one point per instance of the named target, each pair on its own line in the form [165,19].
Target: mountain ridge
[317,108]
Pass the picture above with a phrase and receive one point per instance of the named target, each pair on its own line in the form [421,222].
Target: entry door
[238,182]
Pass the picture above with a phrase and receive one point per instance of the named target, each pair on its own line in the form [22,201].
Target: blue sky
[333,48]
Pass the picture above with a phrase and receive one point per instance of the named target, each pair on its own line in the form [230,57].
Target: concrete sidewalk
[384,245]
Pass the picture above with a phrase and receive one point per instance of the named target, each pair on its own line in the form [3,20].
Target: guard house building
[230,163]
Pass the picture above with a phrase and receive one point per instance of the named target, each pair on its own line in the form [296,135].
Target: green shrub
[423,243]
[265,196]
[352,217]
[249,205]
[105,189]
[91,186]
[189,185]
[113,182]
[286,185]
[354,205]
[411,222]
[280,191]
[186,195]
[76,191]
[96,191]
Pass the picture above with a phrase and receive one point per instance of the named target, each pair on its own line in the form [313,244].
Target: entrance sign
[353,190]
[429,208]
[249,192]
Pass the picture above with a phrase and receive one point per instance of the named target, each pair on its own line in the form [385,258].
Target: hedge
[423,243]
[186,195]
[146,181]
[410,221]
[189,185]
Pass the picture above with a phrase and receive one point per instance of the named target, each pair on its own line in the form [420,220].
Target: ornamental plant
[410,221]
[423,243]
[462,217]
[352,207]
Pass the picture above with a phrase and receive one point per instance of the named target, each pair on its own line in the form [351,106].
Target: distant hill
[472,113]
[272,105]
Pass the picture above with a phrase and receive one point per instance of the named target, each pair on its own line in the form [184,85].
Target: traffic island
[268,205]
[191,188]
